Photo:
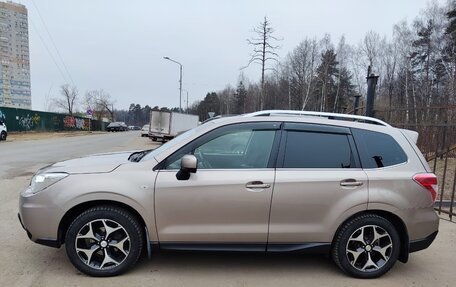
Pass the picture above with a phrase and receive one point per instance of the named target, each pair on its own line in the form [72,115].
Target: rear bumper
[156,135]
[420,244]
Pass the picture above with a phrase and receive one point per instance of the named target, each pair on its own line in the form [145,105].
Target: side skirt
[312,248]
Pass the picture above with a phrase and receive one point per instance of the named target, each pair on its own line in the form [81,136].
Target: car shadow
[259,263]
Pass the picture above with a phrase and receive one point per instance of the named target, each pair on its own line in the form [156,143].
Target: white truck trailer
[166,125]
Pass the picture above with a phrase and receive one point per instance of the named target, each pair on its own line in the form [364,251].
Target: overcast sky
[119,46]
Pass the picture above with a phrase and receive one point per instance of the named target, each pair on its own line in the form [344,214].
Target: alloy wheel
[369,248]
[102,244]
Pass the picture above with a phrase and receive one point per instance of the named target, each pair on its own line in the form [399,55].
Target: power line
[53,43]
[49,52]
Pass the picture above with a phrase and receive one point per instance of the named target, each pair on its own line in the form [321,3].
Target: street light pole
[187,98]
[180,81]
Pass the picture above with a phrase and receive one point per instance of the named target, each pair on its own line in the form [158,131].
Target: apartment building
[14,55]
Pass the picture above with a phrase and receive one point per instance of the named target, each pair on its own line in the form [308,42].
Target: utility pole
[180,80]
[371,84]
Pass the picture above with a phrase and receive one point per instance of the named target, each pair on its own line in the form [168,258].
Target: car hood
[97,163]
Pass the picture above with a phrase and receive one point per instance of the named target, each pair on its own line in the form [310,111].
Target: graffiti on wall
[26,122]
[76,123]
[29,122]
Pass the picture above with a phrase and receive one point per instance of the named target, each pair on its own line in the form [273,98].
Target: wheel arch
[76,210]
[395,220]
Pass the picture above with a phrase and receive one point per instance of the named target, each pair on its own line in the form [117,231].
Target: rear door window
[305,149]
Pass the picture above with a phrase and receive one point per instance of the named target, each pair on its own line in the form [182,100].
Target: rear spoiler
[413,135]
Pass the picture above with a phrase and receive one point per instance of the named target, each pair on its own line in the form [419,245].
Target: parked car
[3,131]
[117,127]
[352,187]
[145,131]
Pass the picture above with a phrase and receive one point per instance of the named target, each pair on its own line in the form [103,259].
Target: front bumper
[47,242]
[40,218]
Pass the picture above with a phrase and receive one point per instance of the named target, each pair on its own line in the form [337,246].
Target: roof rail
[333,116]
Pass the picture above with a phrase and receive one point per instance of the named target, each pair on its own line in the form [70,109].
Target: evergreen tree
[325,92]
[240,97]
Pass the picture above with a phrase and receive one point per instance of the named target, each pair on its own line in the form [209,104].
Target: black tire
[368,226]
[129,237]
[3,136]
[154,139]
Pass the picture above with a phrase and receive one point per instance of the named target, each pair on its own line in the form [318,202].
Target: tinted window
[233,150]
[378,149]
[317,150]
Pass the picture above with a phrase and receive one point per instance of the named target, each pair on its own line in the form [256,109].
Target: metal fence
[28,120]
[444,166]
[437,141]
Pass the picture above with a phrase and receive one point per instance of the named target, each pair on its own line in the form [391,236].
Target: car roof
[302,119]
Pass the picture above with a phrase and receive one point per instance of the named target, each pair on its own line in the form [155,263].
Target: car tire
[366,246]
[3,136]
[104,241]
[154,139]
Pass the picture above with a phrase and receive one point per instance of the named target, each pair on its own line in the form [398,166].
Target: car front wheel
[104,241]
[366,246]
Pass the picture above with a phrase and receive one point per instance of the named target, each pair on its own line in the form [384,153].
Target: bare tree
[263,50]
[403,37]
[370,49]
[67,99]
[341,55]
[302,64]
[101,102]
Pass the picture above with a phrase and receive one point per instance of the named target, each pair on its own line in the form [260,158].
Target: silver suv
[352,187]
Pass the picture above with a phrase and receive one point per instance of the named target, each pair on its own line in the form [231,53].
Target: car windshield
[180,138]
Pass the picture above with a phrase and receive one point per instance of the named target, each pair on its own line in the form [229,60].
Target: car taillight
[428,181]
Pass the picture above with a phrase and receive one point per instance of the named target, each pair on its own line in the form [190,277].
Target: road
[24,263]
[25,157]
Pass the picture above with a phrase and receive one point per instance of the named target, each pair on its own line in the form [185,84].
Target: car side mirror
[189,164]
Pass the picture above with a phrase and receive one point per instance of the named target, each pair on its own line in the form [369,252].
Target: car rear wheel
[3,136]
[104,241]
[366,246]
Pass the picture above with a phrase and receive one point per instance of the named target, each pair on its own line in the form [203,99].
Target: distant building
[14,56]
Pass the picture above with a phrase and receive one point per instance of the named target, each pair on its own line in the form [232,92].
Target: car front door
[227,201]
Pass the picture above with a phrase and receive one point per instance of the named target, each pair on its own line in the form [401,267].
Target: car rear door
[318,183]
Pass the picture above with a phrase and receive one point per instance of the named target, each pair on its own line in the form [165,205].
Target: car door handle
[350,183]
[257,185]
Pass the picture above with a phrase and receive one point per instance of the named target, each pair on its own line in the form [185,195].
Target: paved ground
[24,263]
[24,154]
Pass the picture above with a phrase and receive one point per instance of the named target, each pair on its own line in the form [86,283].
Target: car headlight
[44,180]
